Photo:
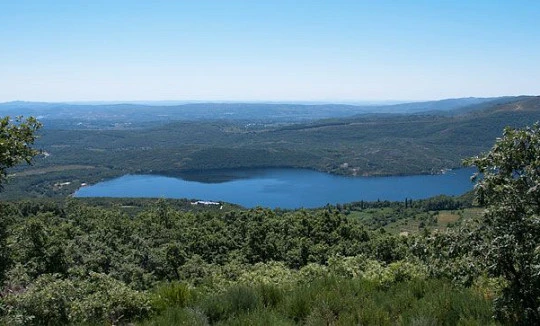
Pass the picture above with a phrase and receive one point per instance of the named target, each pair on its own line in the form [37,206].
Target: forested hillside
[358,146]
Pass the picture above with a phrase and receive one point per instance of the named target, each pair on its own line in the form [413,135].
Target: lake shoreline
[283,188]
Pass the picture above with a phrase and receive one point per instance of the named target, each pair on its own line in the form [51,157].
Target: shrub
[260,318]
[269,273]
[236,300]
[297,304]
[97,299]
[46,302]
[270,294]
[178,316]
[173,294]
[106,299]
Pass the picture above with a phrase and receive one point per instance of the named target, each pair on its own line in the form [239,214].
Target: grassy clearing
[446,217]
[411,221]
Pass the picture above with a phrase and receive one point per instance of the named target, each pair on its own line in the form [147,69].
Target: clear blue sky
[272,50]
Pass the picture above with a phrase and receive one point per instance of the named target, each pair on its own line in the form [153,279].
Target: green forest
[84,262]
[469,260]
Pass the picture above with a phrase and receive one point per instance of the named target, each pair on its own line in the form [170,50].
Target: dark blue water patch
[286,188]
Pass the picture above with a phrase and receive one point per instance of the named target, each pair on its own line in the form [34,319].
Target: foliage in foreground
[74,263]
[51,300]
[510,191]
[348,291]
[334,301]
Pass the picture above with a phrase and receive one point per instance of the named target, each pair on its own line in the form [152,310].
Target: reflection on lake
[285,188]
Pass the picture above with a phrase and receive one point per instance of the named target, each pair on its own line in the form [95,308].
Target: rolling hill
[135,115]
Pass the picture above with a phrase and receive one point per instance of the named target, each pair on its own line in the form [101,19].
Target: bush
[297,304]
[259,318]
[269,273]
[97,299]
[178,316]
[270,294]
[173,294]
[233,302]
[46,302]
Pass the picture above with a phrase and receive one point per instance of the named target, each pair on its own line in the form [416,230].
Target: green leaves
[16,138]
[510,190]
[97,298]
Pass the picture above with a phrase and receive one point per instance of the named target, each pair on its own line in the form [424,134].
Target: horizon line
[298,101]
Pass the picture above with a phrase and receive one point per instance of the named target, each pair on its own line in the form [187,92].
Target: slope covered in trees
[363,145]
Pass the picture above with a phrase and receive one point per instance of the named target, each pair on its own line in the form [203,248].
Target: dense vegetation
[95,262]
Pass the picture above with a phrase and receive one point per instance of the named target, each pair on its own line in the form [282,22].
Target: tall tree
[16,138]
[509,187]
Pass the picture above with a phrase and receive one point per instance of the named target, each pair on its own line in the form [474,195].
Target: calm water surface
[285,188]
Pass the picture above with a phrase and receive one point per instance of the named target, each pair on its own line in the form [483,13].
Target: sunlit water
[284,188]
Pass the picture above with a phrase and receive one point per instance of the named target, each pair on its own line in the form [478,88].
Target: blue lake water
[284,188]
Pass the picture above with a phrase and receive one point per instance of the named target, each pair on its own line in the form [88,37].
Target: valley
[358,145]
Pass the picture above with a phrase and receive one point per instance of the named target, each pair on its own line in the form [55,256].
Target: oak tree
[508,185]
[16,140]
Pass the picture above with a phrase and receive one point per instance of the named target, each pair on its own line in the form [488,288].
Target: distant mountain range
[103,115]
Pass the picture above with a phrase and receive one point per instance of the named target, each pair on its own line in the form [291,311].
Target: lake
[284,188]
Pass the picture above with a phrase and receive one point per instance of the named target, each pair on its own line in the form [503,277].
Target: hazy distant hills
[434,106]
[62,115]
[522,104]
